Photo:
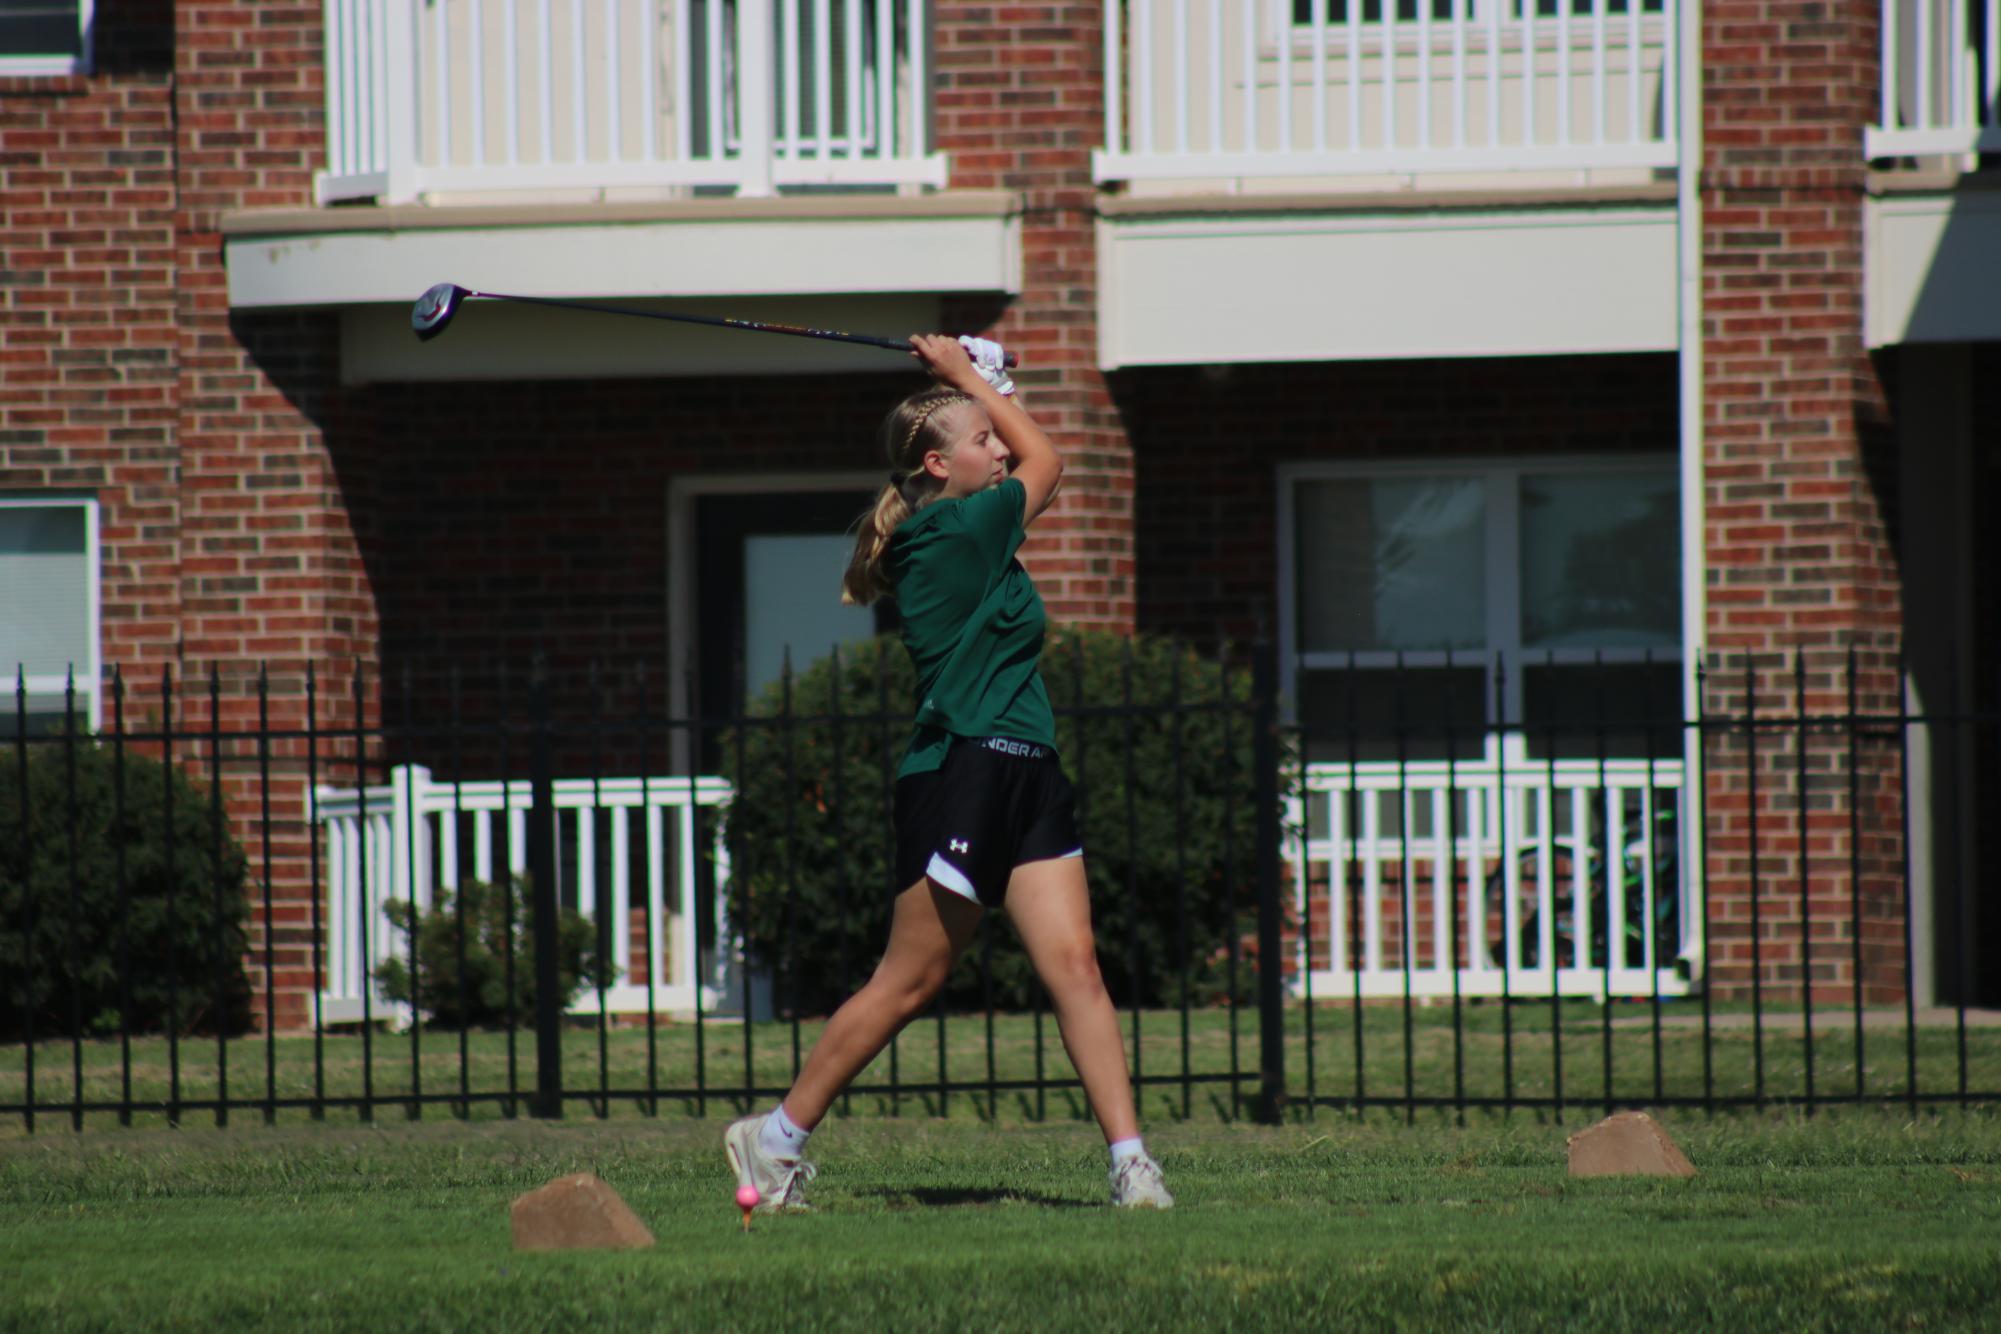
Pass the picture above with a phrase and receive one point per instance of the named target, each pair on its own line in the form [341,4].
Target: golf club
[436,308]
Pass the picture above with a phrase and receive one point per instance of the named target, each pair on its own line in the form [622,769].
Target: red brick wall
[505,519]
[88,345]
[1020,106]
[1797,530]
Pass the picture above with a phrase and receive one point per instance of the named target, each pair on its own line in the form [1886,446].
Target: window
[755,573]
[48,608]
[1443,597]
[44,37]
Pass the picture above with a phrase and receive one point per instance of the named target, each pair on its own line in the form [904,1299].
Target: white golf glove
[990,360]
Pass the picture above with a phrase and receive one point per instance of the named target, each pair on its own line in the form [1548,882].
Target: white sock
[780,1138]
[1126,1149]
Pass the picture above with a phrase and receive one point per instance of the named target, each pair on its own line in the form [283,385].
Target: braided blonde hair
[909,432]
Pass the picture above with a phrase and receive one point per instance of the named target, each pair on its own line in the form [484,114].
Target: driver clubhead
[434,310]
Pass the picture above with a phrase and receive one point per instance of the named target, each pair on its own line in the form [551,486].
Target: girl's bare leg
[1051,907]
[929,928]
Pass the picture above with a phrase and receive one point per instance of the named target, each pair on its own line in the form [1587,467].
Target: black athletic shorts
[994,804]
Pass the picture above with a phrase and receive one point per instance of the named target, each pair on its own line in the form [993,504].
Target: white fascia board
[733,257]
[1357,287]
[1931,273]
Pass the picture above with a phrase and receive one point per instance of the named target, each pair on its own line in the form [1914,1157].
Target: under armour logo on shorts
[960,845]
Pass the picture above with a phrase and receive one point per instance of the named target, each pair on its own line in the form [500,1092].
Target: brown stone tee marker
[578,1212]
[1627,1144]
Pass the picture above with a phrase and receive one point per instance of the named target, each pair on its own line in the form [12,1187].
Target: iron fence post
[542,878]
[1271,962]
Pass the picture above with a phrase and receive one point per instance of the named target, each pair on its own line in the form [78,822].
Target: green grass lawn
[1854,1220]
[1483,1058]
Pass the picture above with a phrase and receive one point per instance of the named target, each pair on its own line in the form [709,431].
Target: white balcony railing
[1941,79]
[1507,861]
[389,843]
[1292,88]
[430,97]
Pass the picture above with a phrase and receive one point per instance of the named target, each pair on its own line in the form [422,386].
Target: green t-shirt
[972,623]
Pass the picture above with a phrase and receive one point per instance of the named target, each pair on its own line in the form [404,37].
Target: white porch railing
[506,95]
[387,842]
[1941,79]
[1515,854]
[1289,88]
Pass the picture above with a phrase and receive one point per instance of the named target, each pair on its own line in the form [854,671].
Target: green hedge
[475,929]
[1165,797]
[173,954]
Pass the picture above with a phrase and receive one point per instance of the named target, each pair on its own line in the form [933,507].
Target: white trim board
[1930,270]
[629,260]
[1364,287]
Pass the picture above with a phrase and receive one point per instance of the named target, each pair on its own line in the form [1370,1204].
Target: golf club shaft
[715,321]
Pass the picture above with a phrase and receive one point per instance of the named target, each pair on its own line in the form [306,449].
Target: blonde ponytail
[866,580]
[909,432]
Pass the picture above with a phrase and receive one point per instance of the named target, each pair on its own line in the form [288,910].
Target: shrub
[477,996]
[167,951]
[809,830]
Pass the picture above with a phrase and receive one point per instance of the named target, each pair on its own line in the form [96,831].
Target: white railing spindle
[920,75]
[441,80]
[510,51]
[1318,18]
[545,28]
[1249,9]
[580,116]
[885,79]
[476,84]
[1183,103]
[1424,71]
[1459,27]
[684,81]
[1143,75]
[1565,13]
[1388,28]
[1633,72]
[789,85]
[851,107]
[1496,68]
[614,103]
[1354,26]
[1598,55]
[1281,13]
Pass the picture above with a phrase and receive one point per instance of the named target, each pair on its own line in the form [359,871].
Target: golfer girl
[984,815]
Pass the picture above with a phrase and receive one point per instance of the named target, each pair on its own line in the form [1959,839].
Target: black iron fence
[578,891]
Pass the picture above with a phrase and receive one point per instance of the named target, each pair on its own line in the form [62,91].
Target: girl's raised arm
[1036,464]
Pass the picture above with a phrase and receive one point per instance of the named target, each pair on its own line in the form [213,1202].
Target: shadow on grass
[935,1197]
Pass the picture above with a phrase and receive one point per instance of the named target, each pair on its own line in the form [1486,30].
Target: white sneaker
[780,1182]
[1137,1184]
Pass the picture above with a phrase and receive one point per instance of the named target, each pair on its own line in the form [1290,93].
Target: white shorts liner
[952,878]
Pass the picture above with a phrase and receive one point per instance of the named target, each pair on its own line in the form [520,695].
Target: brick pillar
[1800,566]
[269,570]
[1020,106]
